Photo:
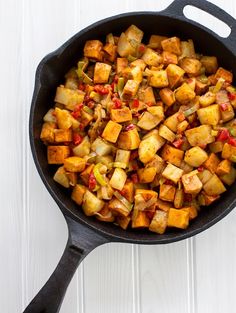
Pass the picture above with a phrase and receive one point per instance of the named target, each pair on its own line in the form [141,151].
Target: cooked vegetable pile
[144,134]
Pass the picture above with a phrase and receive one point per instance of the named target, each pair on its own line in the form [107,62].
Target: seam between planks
[191,275]
[136,291]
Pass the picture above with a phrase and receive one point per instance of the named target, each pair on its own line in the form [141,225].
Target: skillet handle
[81,241]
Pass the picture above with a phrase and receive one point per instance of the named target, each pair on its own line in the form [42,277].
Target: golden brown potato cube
[172,155]
[172,173]
[214,186]
[205,199]
[128,191]
[146,95]
[149,146]
[204,176]
[74,164]
[207,99]
[91,204]
[223,167]
[184,94]
[48,132]
[210,63]
[121,115]
[155,41]
[172,122]
[124,47]
[187,49]
[172,45]
[123,221]
[129,140]
[175,74]
[85,118]
[229,152]
[159,79]
[57,154]
[169,58]
[92,49]
[134,33]
[191,66]
[186,167]
[151,57]
[110,49]
[223,73]
[149,121]
[111,131]
[228,113]
[141,220]
[200,135]
[118,178]
[167,96]
[70,98]
[136,74]
[229,178]
[200,87]
[209,115]
[195,156]
[78,194]
[64,118]
[163,205]
[84,175]
[192,211]
[157,162]
[167,192]
[179,198]
[121,64]
[159,222]
[146,175]
[138,63]
[191,183]
[182,126]
[130,89]
[101,73]
[118,207]
[61,178]
[166,133]
[63,135]
[216,146]
[178,218]
[212,163]
[146,194]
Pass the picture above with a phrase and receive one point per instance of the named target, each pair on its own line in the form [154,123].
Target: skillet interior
[51,72]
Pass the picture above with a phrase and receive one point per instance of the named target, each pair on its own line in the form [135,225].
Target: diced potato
[61,178]
[86,174]
[163,205]
[138,63]
[121,64]
[146,175]
[207,99]
[128,191]
[167,96]
[85,118]
[57,154]
[172,122]
[172,155]
[130,89]
[191,66]
[187,49]
[210,63]
[47,134]
[157,111]
[209,115]
[186,167]
[123,221]
[159,222]
[136,74]
[63,135]
[117,206]
[141,220]
[179,198]
[205,199]
[229,178]
[50,117]
[184,94]
[110,49]
[223,73]
[200,135]
[195,156]
[122,156]
[64,118]
[178,218]
[101,147]
[146,194]
[169,58]
[149,121]
[124,47]
[74,164]
[146,95]
[83,148]
[172,45]
[155,41]
[166,133]
[228,114]
[91,204]
[111,131]
[167,192]
[121,115]
[118,179]
[223,167]
[151,57]
[214,186]
[204,176]
[92,49]
[73,177]
[182,126]
[101,73]
[70,98]
[192,211]
[191,183]
[212,163]
[149,146]
[134,33]
[159,79]
[129,140]
[172,173]
[216,146]
[78,194]
[175,74]
[157,162]
[229,152]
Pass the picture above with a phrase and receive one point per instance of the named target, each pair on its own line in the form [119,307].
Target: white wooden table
[193,276]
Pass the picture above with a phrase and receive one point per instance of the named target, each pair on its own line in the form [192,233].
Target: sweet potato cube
[184,94]
[92,49]
[169,58]
[223,73]
[214,186]
[175,74]
[192,211]
[155,41]
[229,178]
[172,155]
[74,164]
[210,63]
[163,205]
[172,173]
[57,154]
[118,207]
[63,135]
[134,33]
[151,57]
[191,66]
[121,64]
[212,163]
[195,156]
[47,134]
[84,175]
[209,115]
[110,49]
[129,140]
[167,96]
[200,135]
[159,222]
[61,178]
[111,131]
[172,45]
[121,115]
[166,133]
[179,198]
[141,220]
[178,218]
[78,194]
[229,152]
[123,221]
[191,183]
[159,79]
[101,73]
[128,191]
[223,167]
[146,175]
[167,192]
[130,89]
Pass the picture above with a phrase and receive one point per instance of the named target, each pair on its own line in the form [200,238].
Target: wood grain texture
[194,276]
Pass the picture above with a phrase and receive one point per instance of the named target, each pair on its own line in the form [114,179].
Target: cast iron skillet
[87,233]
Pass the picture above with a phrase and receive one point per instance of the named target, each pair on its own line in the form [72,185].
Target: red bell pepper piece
[178,143]
[117,103]
[141,48]
[129,127]
[101,89]
[77,111]
[92,181]
[136,103]
[232,141]
[77,139]
[200,169]
[224,106]
[231,96]
[223,135]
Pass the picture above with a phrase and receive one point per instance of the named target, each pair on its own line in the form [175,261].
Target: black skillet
[85,233]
